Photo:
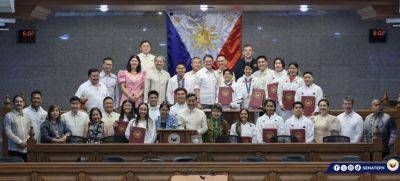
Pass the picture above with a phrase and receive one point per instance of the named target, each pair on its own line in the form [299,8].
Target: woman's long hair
[130,115]
[238,125]
[147,118]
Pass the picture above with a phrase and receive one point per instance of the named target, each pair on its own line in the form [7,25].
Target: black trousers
[24,156]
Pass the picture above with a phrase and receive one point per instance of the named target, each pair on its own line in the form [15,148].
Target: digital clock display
[27,36]
[377,35]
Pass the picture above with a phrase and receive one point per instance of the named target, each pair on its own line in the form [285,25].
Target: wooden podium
[174,135]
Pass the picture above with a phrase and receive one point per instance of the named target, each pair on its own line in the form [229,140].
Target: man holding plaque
[300,126]
[270,124]
[309,94]
[227,92]
[194,119]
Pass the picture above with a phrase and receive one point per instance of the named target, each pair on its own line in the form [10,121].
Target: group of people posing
[147,97]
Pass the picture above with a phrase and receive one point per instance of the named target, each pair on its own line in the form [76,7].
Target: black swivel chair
[184,159]
[284,139]
[114,159]
[336,139]
[11,159]
[294,158]
[252,159]
[226,139]
[115,139]
[350,158]
[76,139]
[153,160]
[388,157]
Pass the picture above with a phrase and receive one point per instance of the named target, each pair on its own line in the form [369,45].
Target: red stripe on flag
[233,45]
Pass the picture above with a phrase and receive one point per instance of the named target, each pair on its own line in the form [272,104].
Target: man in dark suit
[247,59]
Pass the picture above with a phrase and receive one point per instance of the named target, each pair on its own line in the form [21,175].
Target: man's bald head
[376,105]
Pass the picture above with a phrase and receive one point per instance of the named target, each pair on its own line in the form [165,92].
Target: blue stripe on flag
[177,52]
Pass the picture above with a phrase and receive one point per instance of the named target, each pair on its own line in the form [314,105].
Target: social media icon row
[344,168]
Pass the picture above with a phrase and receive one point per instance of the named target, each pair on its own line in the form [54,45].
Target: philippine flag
[195,35]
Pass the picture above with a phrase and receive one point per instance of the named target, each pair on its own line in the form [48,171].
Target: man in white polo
[351,122]
[92,91]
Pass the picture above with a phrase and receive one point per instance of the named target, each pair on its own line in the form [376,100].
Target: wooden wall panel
[343,177]
[58,177]
[257,177]
[296,177]
[387,177]
[105,177]
[151,177]
[16,177]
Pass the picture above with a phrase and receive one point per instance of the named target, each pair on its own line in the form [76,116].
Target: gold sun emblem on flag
[204,38]
[177,19]
[230,19]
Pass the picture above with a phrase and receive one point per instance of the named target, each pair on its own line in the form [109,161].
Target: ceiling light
[103,8]
[204,7]
[303,8]
[160,13]
[64,37]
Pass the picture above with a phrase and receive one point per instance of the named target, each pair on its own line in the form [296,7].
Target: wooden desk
[272,171]
[202,152]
